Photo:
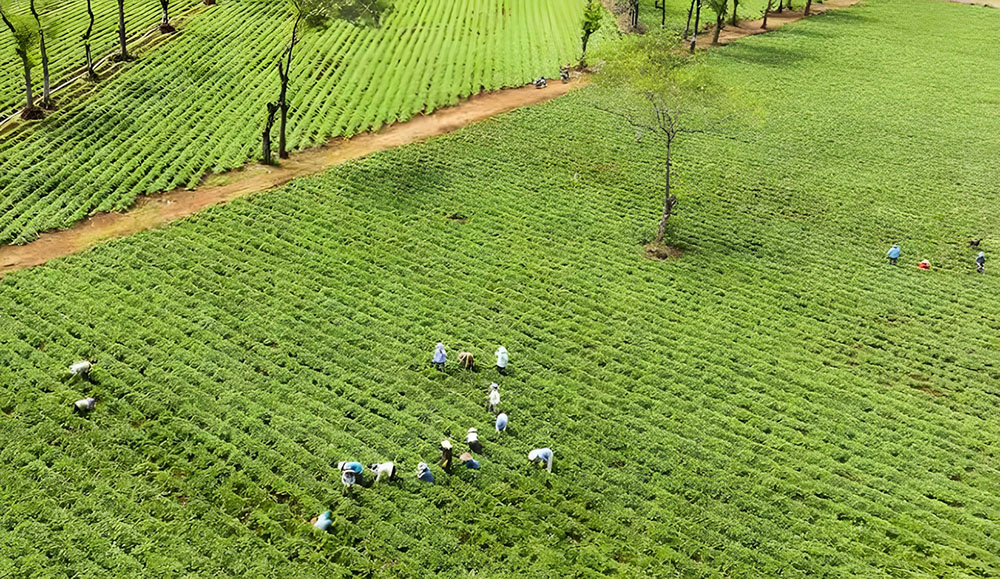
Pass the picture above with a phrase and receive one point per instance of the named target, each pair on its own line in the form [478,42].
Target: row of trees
[720,8]
[30,33]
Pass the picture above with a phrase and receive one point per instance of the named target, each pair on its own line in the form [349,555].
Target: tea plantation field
[64,22]
[776,402]
[197,104]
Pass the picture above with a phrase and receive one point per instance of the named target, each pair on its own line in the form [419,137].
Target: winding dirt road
[162,208]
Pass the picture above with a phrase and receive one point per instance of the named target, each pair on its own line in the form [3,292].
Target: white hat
[472,430]
[533,455]
[446,444]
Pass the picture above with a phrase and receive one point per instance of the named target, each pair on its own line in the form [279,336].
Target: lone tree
[24,37]
[313,14]
[46,87]
[592,17]
[662,94]
[91,73]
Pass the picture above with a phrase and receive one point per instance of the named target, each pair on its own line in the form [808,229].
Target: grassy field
[65,22]
[196,104]
[777,402]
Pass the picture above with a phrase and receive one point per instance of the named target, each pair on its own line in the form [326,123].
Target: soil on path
[159,209]
[978,3]
[746,28]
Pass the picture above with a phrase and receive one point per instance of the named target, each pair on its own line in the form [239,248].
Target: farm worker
[468,461]
[981,262]
[924,264]
[501,422]
[473,439]
[494,397]
[446,455]
[323,522]
[541,455]
[81,369]
[893,254]
[439,356]
[350,472]
[383,468]
[467,360]
[424,473]
[502,360]
[84,406]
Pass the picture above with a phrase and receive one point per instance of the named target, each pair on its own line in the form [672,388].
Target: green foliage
[193,105]
[364,12]
[593,15]
[21,31]
[719,7]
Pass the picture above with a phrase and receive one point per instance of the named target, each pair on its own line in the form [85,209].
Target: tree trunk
[767,11]
[91,74]
[687,27]
[583,55]
[29,95]
[121,31]
[720,21]
[285,72]
[697,19]
[46,91]
[780,7]
[789,4]
[272,109]
[733,19]
[808,6]
[165,26]
[668,200]
[283,108]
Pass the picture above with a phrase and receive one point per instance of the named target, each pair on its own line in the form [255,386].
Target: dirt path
[746,28]
[977,3]
[162,208]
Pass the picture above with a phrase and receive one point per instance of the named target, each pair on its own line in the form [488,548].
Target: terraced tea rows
[65,22]
[196,104]
[777,402]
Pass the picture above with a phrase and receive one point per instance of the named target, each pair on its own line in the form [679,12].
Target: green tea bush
[778,401]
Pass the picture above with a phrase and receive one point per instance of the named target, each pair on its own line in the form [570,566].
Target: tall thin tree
[43,53]
[767,11]
[313,14]
[697,23]
[24,38]
[664,95]
[165,26]
[91,73]
[123,54]
[592,16]
[719,7]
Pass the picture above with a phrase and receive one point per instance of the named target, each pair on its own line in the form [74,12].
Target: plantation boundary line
[160,209]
